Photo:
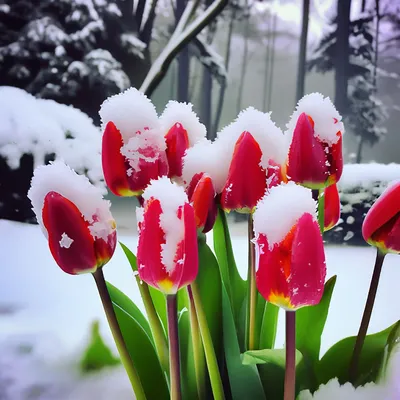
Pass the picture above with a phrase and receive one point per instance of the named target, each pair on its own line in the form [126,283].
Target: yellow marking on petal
[280,300]
[167,286]
[125,192]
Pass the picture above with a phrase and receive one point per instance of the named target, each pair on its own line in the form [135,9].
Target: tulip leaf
[140,346]
[310,323]
[269,326]
[268,356]
[158,298]
[392,347]
[336,361]
[244,379]
[235,286]
[97,355]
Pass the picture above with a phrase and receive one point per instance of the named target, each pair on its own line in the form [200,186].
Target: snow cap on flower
[280,209]
[259,124]
[60,178]
[327,120]
[182,113]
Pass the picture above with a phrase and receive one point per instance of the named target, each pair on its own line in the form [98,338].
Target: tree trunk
[359,150]
[244,59]
[378,18]
[301,70]
[223,85]
[272,60]
[267,61]
[363,5]
[183,60]
[342,51]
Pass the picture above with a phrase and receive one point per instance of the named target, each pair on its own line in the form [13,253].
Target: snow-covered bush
[359,187]
[34,132]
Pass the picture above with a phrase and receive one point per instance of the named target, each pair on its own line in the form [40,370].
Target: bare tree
[272,60]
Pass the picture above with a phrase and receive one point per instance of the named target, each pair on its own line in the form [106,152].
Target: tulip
[167,249]
[332,207]
[75,219]
[133,146]
[183,130]
[381,226]
[201,195]
[290,260]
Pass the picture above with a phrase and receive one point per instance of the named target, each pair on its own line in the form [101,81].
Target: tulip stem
[174,358]
[290,366]
[157,330]
[252,295]
[211,359]
[321,209]
[198,352]
[362,332]
[117,334]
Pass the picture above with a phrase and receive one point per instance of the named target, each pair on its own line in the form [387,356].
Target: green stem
[211,359]
[366,316]
[321,210]
[290,366]
[157,330]
[198,352]
[117,334]
[252,294]
[174,358]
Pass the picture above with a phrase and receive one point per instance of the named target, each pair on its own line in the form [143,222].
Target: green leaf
[269,326]
[97,355]
[336,361]
[268,356]
[310,323]
[392,347]
[209,283]
[244,379]
[235,286]
[140,346]
[158,298]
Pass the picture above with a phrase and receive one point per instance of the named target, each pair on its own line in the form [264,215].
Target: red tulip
[291,274]
[167,249]
[177,143]
[201,195]
[332,207]
[381,226]
[247,180]
[313,162]
[129,176]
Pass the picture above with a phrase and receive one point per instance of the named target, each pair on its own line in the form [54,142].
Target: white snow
[204,156]
[176,112]
[44,127]
[60,178]
[133,44]
[171,197]
[66,241]
[327,120]
[280,209]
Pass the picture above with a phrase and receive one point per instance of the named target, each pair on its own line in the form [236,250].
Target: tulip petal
[308,268]
[104,249]
[62,218]
[114,164]
[307,158]
[334,161]
[177,143]
[246,181]
[332,207]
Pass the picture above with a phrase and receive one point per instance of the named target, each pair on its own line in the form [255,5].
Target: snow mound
[44,128]
[60,178]
[327,120]
[280,209]
[183,113]
[171,197]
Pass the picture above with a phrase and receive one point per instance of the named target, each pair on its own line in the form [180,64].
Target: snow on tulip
[290,259]
[133,148]
[315,133]
[167,249]
[74,217]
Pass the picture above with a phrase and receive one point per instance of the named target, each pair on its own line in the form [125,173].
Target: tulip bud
[332,207]
[167,248]
[133,148]
[290,259]
[315,155]
[201,195]
[381,226]
[74,217]
[182,130]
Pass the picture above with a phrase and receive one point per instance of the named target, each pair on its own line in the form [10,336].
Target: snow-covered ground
[44,307]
